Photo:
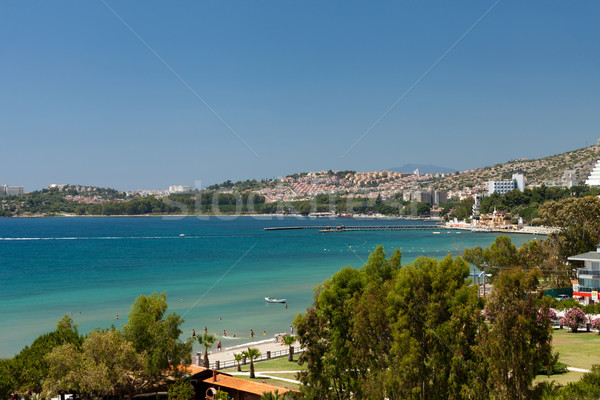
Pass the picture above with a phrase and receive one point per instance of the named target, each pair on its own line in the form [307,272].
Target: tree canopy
[418,331]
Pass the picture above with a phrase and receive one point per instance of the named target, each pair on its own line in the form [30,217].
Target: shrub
[574,318]
[596,324]
[550,315]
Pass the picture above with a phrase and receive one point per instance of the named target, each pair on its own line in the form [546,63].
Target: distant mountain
[425,169]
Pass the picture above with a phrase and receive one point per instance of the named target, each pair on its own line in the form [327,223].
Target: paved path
[573,369]
[263,346]
[262,374]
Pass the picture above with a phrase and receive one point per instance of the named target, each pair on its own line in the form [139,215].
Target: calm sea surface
[222,268]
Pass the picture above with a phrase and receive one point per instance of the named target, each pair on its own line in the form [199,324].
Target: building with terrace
[588,278]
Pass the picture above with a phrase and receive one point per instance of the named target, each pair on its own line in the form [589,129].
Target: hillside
[536,171]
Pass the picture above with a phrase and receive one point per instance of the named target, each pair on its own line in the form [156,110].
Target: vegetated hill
[536,171]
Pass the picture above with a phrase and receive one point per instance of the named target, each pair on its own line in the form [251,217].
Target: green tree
[181,390]
[435,318]
[289,341]
[501,254]
[7,382]
[389,332]
[338,336]
[30,367]
[207,341]
[106,364]
[238,359]
[66,371]
[252,353]
[125,369]
[157,335]
[579,220]
[517,344]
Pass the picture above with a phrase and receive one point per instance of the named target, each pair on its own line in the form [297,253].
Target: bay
[216,275]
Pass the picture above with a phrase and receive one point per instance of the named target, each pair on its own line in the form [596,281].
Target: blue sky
[293,86]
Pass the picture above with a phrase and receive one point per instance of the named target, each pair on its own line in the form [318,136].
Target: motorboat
[274,300]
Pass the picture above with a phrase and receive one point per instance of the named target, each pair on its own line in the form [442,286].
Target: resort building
[495,220]
[588,277]
[503,187]
[594,179]
[207,382]
[434,197]
[11,190]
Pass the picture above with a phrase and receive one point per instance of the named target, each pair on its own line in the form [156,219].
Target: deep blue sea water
[222,268]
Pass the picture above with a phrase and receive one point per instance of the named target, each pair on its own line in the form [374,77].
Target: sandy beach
[226,356]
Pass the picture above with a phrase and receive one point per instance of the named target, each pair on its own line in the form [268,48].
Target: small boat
[181,235]
[274,300]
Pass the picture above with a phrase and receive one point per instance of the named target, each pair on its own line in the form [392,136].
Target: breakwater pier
[344,228]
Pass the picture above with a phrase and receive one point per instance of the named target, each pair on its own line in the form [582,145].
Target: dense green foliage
[106,361]
[182,390]
[29,368]
[579,220]
[418,332]
[157,335]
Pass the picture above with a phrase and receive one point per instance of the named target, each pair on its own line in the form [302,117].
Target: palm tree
[252,354]
[206,341]
[238,358]
[289,341]
[271,395]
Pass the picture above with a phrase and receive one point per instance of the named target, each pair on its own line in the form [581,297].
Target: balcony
[588,273]
[586,289]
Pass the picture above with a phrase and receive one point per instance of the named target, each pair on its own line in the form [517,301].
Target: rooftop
[243,385]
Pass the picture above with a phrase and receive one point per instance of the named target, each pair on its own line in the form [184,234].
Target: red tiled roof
[243,385]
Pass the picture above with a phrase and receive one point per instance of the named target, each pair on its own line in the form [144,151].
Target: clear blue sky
[84,101]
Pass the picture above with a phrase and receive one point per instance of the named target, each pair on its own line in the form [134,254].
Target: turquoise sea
[217,275]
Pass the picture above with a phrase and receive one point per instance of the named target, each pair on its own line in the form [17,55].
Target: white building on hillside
[180,189]
[594,178]
[11,190]
[503,187]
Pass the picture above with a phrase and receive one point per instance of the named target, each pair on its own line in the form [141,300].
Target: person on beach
[117,317]
[205,330]
[219,346]
[291,329]
[193,332]
[264,333]
[251,333]
[224,333]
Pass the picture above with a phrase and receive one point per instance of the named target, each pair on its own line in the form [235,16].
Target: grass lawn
[562,379]
[274,364]
[580,350]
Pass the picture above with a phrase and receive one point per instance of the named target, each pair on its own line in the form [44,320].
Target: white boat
[274,300]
